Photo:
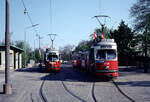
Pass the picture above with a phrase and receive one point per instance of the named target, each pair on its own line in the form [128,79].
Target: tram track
[123,93]
[93,94]
[71,93]
[41,93]
[118,88]
[78,97]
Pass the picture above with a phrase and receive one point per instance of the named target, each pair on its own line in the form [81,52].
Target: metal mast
[101,24]
[52,39]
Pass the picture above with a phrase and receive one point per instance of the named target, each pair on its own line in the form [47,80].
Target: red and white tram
[76,60]
[103,58]
[52,60]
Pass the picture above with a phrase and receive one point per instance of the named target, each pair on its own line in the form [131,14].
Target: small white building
[15,58]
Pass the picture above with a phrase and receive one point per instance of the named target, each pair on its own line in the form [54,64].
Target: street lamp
[25,39]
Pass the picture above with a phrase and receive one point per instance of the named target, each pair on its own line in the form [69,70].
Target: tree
[83,45]
[98,32]
[66,52]
[36,54]
[26,54]
[141,13]
[125,39]
[2,43]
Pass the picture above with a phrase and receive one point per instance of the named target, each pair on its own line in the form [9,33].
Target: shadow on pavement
[72,75]
[30,70]
[130,71]
[1,93]
[135,83]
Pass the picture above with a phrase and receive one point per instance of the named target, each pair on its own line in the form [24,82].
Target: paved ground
[68,85]
[135,83]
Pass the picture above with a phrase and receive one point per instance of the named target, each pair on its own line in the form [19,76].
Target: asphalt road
[70,85]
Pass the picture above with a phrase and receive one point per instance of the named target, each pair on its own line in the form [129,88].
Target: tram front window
[111,54]
[52,57]
[106,54]
[101,55]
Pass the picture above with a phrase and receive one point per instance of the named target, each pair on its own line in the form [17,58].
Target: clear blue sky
[71,19]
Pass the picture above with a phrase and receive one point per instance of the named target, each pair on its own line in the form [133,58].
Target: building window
[11,60]
[0,59]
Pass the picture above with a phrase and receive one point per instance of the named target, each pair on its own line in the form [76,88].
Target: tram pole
[101,24]
[7,87]
[52,39]
[25,42]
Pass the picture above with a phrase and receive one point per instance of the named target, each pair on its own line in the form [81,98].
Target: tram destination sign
[105,46]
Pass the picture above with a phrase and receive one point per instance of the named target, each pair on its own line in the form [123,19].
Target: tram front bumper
[106,71]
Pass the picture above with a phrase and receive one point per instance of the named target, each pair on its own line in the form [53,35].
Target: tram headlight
[107,67]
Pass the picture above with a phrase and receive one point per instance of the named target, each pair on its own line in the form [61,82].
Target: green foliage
[106,32]
[27,54]
[140,11]
[124,37]
[2,43]
[37,55]
[83,45]
[19,44]
[98,32]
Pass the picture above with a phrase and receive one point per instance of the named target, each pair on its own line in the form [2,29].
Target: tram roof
[105,44]
[48,50]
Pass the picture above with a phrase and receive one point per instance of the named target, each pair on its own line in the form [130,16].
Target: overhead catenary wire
[29,17]
[51,29]
[99,6]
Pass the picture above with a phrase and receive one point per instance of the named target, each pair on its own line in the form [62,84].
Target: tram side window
[111,54]
[101,55]
[91,55]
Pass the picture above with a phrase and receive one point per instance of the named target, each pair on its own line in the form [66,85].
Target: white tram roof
[105,44]
[49,50]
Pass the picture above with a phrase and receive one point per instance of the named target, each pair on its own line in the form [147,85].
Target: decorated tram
[52,60]
[103,58]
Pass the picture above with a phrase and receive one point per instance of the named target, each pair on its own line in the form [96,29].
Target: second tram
[52,60]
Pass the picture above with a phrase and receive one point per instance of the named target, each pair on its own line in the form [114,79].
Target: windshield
[111,54]
[106,54]
[101,54]
[52,57]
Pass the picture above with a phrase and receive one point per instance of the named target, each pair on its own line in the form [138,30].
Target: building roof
[12,47]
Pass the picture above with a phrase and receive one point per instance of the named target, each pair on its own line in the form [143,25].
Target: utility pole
[7,86]
[52,39]
[25,48]
[39,37]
